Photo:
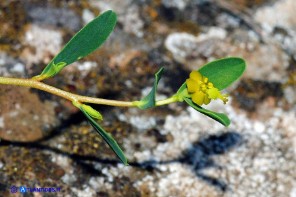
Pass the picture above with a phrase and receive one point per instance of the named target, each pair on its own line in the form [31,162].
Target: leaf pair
[222,73]
[88,39]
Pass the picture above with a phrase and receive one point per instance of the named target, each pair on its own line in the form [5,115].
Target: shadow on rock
[198,157]
[201,153]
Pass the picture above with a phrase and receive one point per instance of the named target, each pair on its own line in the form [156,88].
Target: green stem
[67,95]
[32,83]
[172,99]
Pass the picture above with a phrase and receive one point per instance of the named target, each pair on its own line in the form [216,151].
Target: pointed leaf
[88,39]
[107,138]
[182,88]
[149,100]
[220,117]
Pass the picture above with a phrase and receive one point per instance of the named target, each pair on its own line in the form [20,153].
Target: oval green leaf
[88,39]
[223,72]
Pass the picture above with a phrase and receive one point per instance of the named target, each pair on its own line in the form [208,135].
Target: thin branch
[73,97]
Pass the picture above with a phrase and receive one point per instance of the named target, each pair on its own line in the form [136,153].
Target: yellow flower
[201,90]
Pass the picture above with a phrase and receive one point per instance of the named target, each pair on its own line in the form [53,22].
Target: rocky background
[173,150]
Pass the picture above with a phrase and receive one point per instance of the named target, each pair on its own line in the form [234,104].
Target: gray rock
[58,17]
[11,67]
[45,47]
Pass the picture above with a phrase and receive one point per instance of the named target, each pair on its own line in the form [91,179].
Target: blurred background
[173,150]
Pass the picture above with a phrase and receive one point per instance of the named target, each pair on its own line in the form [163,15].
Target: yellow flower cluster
[201,90]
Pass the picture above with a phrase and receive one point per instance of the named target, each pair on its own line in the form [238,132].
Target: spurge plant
[202,86]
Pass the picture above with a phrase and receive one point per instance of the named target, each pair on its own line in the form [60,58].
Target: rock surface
[172,150]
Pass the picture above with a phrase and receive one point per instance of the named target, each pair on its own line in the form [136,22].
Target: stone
[55,17]
[11,67]
[24,117]
[172,150]
[40,48]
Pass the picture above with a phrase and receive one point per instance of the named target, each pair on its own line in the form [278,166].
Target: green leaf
[220,117]
[149,100]
[107,137]
[223,72]
[88,39]
[182,89]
